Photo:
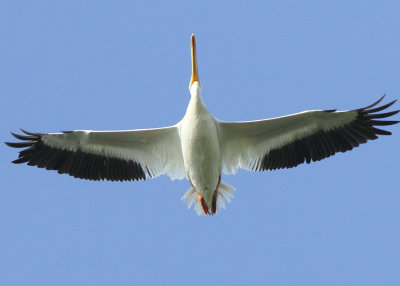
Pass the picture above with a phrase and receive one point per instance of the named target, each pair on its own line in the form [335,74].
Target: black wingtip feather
[374,104]
[23,137]
[382,115]
[29,133]
[377,109]
[19,144]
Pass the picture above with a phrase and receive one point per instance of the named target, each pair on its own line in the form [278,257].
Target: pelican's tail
[224,195]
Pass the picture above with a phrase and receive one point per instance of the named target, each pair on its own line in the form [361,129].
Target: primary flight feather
[201,147]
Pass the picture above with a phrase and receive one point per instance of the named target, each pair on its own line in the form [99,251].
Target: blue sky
[105,65]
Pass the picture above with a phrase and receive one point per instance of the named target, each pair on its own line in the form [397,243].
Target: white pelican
[201,147]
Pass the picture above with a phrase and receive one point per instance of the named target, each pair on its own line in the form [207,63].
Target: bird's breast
[201,152]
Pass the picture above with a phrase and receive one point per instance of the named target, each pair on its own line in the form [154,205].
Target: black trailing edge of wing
[78,164]
[322,144]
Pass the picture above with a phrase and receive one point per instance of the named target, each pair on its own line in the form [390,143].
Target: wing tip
[29,133]
[375,103]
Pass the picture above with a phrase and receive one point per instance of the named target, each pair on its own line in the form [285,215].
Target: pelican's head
[195,75]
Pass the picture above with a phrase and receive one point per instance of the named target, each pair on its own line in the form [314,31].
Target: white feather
[224,195]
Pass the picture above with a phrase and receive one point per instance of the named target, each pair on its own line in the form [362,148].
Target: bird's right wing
[288,141]
[105,155]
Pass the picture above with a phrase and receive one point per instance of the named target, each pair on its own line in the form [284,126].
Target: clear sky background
[105,65]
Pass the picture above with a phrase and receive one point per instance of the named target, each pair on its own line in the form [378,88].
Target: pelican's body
[201,147]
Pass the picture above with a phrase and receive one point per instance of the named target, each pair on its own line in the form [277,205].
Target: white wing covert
[285,142]
[105,155]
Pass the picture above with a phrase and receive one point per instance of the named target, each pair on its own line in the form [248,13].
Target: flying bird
[200,147]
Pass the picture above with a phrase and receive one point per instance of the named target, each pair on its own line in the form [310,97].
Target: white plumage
[201,147]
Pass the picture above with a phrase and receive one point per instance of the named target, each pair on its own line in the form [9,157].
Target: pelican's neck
[196,100]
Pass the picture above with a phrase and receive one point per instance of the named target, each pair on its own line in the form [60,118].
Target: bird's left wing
[105,155]
[288,141]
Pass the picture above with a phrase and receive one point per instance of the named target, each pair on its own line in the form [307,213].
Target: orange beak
[195,74]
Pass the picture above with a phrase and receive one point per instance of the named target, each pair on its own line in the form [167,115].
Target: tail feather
[224,192]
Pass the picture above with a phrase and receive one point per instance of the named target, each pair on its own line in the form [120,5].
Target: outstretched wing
[288,141]
[105,155]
